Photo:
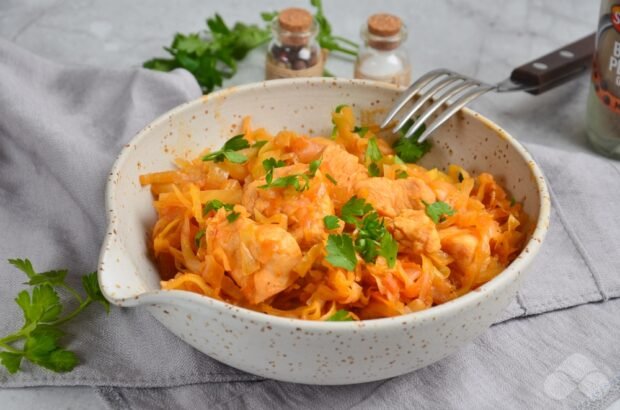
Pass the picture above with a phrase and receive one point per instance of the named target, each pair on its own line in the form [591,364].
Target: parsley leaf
[259,144]
[389,249]
[90,283]
[198,237]
[42,308]
[11,361]
[340,252]
[228,151]
[232,217]
[293,180]
[269,164]
[361,131]
[353,209]
[331,222]
[339,108]
[409,149]
[438,210]
[401,174]
[340,316]
[314,166]
[513,201]
[214,205]
[372,151]
[331,179]
[373,170]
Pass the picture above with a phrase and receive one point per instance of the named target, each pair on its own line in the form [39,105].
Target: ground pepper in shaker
[382,58]
[603,115]
[293,50]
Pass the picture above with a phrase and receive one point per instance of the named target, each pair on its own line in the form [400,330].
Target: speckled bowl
[297,350]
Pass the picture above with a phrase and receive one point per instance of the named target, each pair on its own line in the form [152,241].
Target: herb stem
[346,40]
[11,349]
[71,315]
[73,292]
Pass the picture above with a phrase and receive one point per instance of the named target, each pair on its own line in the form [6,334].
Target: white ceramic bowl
[290,349]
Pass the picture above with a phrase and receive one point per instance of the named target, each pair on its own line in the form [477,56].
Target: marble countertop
[484,39]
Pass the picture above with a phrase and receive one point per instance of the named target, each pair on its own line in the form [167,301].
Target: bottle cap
[295,20]
[384,25]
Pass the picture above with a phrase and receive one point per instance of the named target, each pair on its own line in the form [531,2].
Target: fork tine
[438,103]
[424,97]
[411,91]
[454,107]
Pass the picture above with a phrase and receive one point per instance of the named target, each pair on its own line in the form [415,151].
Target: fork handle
[557,67]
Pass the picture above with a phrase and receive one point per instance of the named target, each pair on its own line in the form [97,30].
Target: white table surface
[484,39]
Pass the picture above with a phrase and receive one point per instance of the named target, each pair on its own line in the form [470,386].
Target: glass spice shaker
[293,50]
[382,57]
[603,113]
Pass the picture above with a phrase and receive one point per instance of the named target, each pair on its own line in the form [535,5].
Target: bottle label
[606,65]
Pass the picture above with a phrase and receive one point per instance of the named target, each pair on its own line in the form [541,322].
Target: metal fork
[453,91]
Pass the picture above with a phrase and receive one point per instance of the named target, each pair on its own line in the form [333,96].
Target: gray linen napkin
[62,127]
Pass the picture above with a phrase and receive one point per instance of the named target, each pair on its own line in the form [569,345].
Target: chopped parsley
[401,174]
[300,182]
[361,131]
[438,211]
[199,235]
[229,151]
[340,316]
[461,177]
[331,179]
[370,239]
[216,204]
[269,164]
[409,149]
[373,170]
[331,222]
[339,108]
[340,252]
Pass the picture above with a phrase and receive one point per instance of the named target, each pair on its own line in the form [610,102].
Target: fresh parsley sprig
[409,149]
[230,150]
[300,182]
[42,309]
[325,37]
[269,164]
[438,211]
[211,56]
[215,205]
[369,239]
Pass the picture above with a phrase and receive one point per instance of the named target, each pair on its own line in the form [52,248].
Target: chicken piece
[308,149]
[345,169]
[305,210]
[462,247]
[259,258]
[415,232]
[390,197]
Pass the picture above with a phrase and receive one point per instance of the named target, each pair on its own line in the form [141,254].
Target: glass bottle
[603,113]
[293,50]
[382,57]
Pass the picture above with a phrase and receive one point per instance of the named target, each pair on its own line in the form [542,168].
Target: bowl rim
[466,301]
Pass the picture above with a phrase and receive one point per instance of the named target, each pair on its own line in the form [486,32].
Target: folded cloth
[61,129]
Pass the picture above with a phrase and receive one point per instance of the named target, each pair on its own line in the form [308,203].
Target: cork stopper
[384,25]
[295,20]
